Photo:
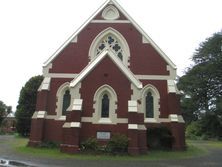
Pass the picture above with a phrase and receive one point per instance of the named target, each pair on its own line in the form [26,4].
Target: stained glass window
[149,105]
[105,106]
[112,43]
[66,101]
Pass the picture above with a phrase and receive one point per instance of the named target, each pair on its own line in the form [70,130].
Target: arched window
[112,43]
[66,101]
[149,105]
[110,39]
[105,106]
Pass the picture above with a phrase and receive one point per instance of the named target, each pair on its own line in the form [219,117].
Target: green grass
[192,151]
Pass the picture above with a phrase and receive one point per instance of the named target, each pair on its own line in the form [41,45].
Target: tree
[4,111]
[26,105]
[203,84]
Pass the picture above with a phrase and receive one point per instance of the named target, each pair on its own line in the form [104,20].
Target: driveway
[213,159]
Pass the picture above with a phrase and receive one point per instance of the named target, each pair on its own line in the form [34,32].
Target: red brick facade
[147,65]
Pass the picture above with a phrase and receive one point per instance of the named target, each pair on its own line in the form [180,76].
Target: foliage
[49,144]
[4,111]
[90,144]
[26,105]
[159,138]
[117,144]
[193,130]
[203,84]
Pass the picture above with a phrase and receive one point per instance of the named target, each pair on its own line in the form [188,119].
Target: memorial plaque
[103,135]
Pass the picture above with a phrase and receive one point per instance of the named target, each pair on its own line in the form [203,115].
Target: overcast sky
[32,30]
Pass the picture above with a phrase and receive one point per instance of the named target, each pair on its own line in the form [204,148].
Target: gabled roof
[162,54]
[98,59]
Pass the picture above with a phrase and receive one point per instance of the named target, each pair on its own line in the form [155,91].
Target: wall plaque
[103,135]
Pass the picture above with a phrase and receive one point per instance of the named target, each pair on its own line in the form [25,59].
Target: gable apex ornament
[110,13]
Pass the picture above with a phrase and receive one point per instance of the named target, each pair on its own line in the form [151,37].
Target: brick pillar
[37,128]
[142,139]
[71,129]
[38,119]
[136,130]
[178,133]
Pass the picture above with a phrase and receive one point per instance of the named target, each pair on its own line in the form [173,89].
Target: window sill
[151,120]
[105,121]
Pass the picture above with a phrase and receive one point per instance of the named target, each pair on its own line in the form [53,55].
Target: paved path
[213,159]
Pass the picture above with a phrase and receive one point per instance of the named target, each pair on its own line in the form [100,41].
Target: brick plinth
[177,130]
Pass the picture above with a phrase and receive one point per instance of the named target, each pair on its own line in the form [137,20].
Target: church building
[108,78]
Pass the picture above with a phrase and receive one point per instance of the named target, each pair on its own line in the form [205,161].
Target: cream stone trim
[176,118]
[156,100]
[144,40]
[77,105]
[39,114]
[118,120]
[45,85]
[98,59]
[60,75]
[133,126]
[72,125]
[59,97]
[142,127]
[96,118]
[119,36]
[132,106]
[74,40]
[110,21]
[138,76]
[110,13]
[46,68]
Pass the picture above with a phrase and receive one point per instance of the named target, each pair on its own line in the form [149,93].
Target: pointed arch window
[112,43]
[149,105]
[105,106]
[66,101]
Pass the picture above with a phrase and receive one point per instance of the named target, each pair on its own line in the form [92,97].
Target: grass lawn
[192,151]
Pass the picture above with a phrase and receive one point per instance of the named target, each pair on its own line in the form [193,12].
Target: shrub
[194,130]
[90,144]
[159,138]
[49,144]
[117,144]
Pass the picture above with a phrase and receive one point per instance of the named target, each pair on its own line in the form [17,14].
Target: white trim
[61,75]
[125,47]
[110,21]
[96,116]
[72,125]
[75,39]
[96,61]
[162,54]
[118,120]
[59,96]
[110,13]
[156,101]
[144,40]
[45,85]
[133,126]
[91,120]
[77,105]
[138,76]
[39,115]
[132,106]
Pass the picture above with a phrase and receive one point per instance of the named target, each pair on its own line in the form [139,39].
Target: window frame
[156,101]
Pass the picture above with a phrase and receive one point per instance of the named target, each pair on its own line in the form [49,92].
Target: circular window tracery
[110,42]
